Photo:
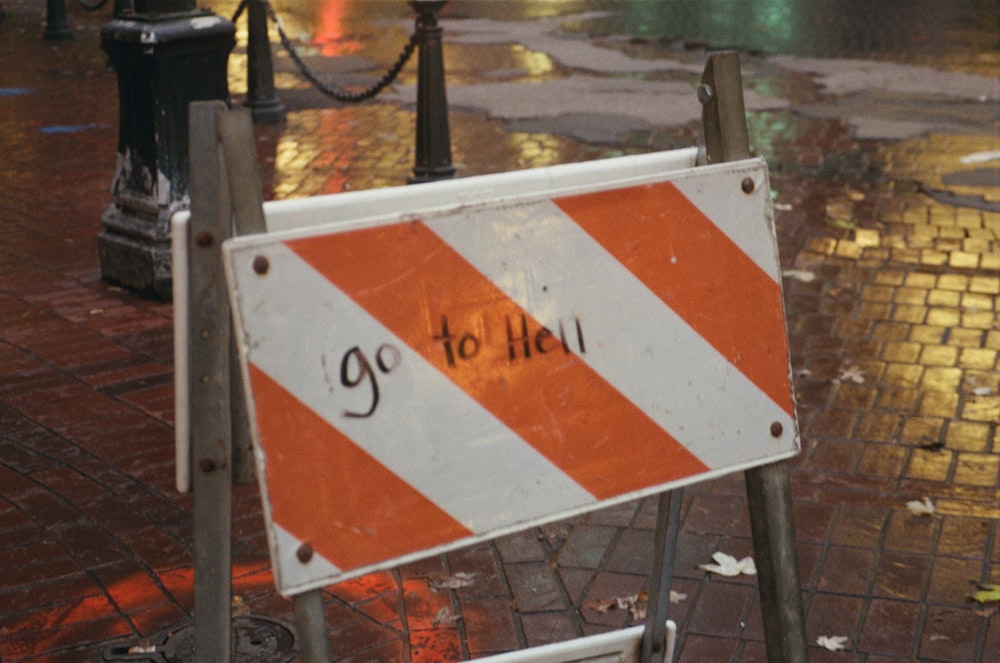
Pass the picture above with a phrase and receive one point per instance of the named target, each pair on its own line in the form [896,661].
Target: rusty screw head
[261,264]
[747,185]
[207,465]
[776,429]
[304,553]
[204,239]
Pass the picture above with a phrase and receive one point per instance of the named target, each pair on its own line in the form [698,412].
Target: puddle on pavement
[330,150]
[467,64]
[947,162]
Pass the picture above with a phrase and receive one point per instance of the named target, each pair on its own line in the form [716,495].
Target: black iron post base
[56,25]
[267,111]
[262,99]
[134,250]
[166,54]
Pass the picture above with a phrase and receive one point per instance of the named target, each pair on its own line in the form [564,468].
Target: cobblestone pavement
[891,297]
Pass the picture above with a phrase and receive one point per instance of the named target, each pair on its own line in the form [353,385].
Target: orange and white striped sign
[425,381]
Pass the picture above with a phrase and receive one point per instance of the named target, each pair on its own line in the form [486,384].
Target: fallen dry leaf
[144,647]
[987,594]
[635,604]
[832,642]
[454,581]
[986,611]
[727,565]
[239,607]
[850,373]
[921,507]
[444,617]
[799,275]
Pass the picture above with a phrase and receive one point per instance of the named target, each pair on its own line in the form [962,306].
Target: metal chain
[239,11]
[308,74]
[92,6]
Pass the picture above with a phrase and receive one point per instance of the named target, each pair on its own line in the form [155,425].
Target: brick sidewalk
[891,302]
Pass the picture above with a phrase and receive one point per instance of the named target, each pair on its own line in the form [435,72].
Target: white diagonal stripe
[481,473]
[632,339]
[744,218]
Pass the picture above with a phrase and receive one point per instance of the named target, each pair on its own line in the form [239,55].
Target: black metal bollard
[433,146]
[263,101]
[166,54]
[56,26]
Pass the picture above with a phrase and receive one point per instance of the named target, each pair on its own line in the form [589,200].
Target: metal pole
[433,146]
[654,635]
[311,622]
[769,492]
[769,496]
[261,96]
[56,26]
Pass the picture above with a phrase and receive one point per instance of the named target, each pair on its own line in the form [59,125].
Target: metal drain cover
[256,639]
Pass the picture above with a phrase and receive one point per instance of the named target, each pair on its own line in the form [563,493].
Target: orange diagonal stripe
[328,492]
[406,277]
[696,270]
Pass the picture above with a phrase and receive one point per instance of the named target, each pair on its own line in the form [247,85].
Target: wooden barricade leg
[211,439]
[225,194]
[725,136]
[235,135]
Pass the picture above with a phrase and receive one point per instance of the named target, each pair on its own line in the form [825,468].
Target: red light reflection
[330,33]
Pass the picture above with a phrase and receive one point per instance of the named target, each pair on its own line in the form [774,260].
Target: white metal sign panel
[425,380]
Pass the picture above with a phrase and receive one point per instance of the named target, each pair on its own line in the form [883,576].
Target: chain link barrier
[312,77]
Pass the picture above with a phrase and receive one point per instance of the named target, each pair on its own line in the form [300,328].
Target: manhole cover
[256,640]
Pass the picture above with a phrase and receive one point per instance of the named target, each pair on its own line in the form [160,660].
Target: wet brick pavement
[891,300]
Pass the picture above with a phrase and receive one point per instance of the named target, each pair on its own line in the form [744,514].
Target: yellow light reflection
[534,63]
[930,160]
